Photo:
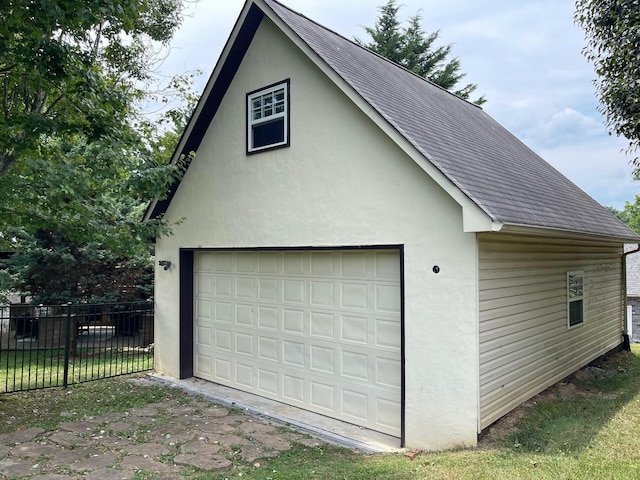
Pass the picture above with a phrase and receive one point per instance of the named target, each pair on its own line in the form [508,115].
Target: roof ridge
[324,27]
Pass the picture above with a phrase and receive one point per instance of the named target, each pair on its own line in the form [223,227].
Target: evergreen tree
[412,48]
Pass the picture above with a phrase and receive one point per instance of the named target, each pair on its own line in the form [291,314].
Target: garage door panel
[355,404]
[293,322]
[203,309]
[294,354]
[244,374]
[387,411]
[268,382]
[294,388]
[294,292]
[323,359]
[268,289]
[387,334]
[354,296]
[204,335]
[354,264]
[387,372]
[245,262]
[223,312]
[204,283]
[294,263]
[354,330]
[322,293]
[322,263]
[223,339]
[244,344]
[322,397]
[204,363]
[246,288]
[387,298]
[222,369]
[315,329]
[268,349]
[244,315]
[322,324]
[269,262]
[387,265]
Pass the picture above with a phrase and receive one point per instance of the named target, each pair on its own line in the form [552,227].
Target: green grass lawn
[587,427]
[32,369]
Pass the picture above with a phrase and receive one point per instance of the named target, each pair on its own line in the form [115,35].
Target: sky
[525,57]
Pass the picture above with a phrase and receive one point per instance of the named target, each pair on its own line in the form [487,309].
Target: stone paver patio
[158,440]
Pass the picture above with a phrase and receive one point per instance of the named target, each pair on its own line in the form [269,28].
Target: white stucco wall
[342,182]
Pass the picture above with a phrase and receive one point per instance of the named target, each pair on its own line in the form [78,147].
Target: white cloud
[599,166]
[566,127]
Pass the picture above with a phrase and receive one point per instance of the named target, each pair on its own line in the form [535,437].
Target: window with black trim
[268,118]
[575,298]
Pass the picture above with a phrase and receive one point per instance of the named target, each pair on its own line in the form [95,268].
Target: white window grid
[269,105]
[575,294]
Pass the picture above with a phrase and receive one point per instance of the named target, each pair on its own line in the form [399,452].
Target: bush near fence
[45,346]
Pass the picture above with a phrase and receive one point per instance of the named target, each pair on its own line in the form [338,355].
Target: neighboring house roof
[497,172]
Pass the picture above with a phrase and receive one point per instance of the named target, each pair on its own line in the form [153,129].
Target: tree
[71,67]
[72,140]
[613,46]
[412,48]
[75,229]
[52,270]
[630,214]
[78,159]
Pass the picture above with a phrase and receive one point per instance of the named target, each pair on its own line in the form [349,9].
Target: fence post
[67,347]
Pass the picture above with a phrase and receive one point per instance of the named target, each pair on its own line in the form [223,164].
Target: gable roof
[510,183]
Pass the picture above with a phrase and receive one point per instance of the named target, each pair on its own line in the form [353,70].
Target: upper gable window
[575,298]
[268,118]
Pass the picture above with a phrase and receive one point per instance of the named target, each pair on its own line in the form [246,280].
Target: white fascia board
[475,219]
[537,231]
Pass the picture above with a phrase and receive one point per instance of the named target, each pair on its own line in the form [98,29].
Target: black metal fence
[57,345]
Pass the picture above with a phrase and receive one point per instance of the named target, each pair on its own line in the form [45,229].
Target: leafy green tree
[412,48]
[73,143]
[630,214]
[71,67]
[613,46]
[67,250]
[78,159]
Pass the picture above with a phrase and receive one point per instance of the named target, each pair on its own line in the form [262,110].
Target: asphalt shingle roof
[505,178]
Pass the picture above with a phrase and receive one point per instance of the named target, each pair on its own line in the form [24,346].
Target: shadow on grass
[566,418]
[33,369]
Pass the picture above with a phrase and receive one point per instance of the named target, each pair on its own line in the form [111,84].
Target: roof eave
[534,230]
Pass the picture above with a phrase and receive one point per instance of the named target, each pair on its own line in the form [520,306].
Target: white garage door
[315,329]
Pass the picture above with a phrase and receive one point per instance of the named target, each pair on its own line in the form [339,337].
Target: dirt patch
[575,385]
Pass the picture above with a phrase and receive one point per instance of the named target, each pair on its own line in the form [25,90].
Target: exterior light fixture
[165,264]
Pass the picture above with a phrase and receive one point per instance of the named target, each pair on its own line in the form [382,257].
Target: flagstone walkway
[158,440]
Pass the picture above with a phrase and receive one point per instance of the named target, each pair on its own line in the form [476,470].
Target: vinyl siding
[525,344]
